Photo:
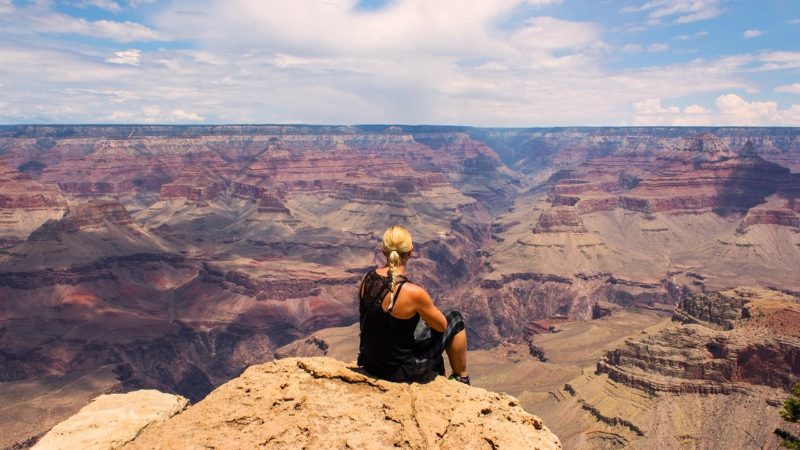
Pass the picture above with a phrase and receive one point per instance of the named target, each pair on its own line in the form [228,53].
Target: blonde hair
[397,248]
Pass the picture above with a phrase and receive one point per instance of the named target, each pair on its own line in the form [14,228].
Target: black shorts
[430,345]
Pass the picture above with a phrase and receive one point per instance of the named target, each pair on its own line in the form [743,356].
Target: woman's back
[390,316]
[387,341]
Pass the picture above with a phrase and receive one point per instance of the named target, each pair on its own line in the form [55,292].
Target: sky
[506,63]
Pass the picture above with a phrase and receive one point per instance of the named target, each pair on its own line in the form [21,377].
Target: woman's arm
[427,310]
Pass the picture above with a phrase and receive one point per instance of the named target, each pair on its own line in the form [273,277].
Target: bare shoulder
[417,293]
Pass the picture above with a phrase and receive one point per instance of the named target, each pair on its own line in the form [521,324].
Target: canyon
[175,257]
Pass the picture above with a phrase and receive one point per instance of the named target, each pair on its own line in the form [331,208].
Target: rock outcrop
[312,403]
[112,420]
[90,215]
[721,309]
[197,184]
[729,341]
[562,219]
[24,205]
[780,215]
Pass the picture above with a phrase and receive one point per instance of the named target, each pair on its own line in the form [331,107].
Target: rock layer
[24,205]
[729,342]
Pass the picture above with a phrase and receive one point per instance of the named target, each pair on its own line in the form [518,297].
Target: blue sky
[481,62]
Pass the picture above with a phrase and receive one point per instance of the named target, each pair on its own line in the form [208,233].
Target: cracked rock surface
[324,403]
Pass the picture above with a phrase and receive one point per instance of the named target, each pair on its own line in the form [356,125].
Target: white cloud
[695,109]
[752,33]
[653,22]
[542,2]
[334,27]
[206,57]
[698,16]
[493,66]
[111,95]
[107,29]
[131,57]
[186,116]
[151,111]
[653,106]
[547,33]
[657,48]
[741,112]
[138,3]
[789,89]
[687,11]
[687,37]
[37,17]
[776,61]
[406,27]
[731,109]
[49,67]
[120,116]
[631,48]
[9,110]
[411,62]
[114,6]
[108,5]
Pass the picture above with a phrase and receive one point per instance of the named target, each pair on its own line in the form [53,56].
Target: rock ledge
[324,403]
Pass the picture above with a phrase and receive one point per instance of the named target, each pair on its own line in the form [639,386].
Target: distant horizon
[419,125]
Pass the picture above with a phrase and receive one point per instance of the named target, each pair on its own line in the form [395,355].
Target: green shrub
[790,413]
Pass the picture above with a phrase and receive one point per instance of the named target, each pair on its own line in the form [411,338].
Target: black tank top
[387,343]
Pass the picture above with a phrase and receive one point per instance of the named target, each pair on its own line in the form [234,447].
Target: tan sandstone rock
[323,403]
[110,421]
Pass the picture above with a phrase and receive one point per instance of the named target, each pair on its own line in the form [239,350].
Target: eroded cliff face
[24,205]
[729,341]
[634,378]
[308,402]
[183,254]
[642,218]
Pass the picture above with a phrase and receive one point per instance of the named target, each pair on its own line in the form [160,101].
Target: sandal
[460,379]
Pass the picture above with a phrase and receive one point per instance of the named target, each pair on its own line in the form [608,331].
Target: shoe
[460,379]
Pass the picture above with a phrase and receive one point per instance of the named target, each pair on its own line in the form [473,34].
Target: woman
[391,308]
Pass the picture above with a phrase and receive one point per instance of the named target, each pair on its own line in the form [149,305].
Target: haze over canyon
[632,286]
